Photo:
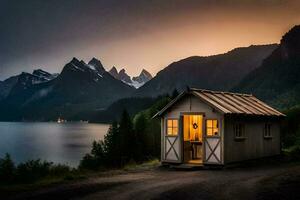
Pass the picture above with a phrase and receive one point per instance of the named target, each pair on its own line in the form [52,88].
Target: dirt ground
[273,181]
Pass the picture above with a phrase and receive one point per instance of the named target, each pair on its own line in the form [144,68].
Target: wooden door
[212,147]
[173,145]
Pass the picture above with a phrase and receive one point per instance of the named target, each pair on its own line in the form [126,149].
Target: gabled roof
[228,103]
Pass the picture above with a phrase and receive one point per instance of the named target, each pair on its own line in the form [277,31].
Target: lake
[64,143]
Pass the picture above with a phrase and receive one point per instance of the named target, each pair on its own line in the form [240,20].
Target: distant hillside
[79,87]
[277,80]
[114,111]
[219,72]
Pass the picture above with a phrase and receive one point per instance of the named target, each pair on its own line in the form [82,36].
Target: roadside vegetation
[291,133]
[129,141]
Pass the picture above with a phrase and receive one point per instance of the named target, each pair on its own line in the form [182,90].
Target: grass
[149,165]
[7,190]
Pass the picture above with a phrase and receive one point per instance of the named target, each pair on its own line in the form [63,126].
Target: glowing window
[212,127]
[172,127]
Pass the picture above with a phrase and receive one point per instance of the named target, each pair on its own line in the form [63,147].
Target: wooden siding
[254,145]
[190,104]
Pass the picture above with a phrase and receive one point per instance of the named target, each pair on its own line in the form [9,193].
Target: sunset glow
[144,35]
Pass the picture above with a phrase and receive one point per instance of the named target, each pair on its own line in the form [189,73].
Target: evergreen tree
[127,137]
[141,136]
[7,169]
[112,146]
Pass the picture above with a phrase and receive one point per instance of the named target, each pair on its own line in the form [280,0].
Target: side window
[239,130]
[267,130]
[212,127]
[172,127]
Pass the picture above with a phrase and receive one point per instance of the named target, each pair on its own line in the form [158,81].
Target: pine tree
[112,146]
[127,137]
[7,169]
[141,136]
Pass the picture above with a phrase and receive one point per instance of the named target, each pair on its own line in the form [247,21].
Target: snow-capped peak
[135,81]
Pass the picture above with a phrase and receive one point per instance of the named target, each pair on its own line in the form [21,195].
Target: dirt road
[264,182]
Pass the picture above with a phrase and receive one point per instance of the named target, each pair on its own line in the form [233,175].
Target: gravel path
[264,182]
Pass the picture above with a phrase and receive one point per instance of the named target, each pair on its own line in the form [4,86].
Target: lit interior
[192,133]
[192,127]
[172,126]
[212,127]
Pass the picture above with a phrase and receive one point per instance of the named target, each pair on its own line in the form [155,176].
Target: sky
[134,34]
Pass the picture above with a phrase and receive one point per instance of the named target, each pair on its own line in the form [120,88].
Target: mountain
[143,78]
[114,72]
[121,75]
[218,72]
[24,79]
[277,81]
[96,65]
[136,82]
[44,75]
[6,85]
[78,88]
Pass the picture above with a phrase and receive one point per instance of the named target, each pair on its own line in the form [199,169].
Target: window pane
[216,131]
[175,123]
[209,132]
[209,123]
[175,131]
[169,131]
[215,123]
[169,123]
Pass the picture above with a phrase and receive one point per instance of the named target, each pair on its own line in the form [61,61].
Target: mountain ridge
[276,81]
[136,81]
[78,87]
[217,72]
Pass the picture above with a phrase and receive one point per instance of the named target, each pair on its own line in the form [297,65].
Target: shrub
[295,152]
[32,170]
[95,159]
[7,169]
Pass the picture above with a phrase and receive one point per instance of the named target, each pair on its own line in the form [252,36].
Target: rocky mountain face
[24,80]
[80,87]
[6,85]
[44,75]
[144,77]
[136,82]
[219,72]
[96,65]
[277,81]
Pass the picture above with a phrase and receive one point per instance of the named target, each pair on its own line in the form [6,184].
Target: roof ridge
[220,92]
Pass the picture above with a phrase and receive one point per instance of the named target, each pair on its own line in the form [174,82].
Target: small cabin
[203,127]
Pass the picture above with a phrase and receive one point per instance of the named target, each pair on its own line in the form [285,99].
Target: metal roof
[229,103]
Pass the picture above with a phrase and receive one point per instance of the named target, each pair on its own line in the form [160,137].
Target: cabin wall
[189,104]
[254,145]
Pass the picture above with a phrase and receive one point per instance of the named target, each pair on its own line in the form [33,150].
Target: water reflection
[61,143]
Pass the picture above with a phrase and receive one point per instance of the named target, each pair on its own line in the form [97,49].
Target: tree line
[128,140]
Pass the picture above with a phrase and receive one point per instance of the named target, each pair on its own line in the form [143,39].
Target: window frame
[242,131]
[267,133]
[212,128]
[167,127]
